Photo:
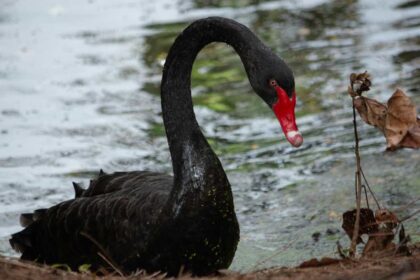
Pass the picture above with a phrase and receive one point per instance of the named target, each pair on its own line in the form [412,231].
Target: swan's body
[154,221]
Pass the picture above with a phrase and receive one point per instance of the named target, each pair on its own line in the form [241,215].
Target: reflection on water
[80,91]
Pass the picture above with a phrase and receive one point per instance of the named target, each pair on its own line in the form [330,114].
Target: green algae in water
[215,102]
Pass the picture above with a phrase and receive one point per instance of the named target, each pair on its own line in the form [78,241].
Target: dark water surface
[79,91]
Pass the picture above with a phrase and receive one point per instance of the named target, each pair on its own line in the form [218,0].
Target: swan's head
[284,109]
[274,82]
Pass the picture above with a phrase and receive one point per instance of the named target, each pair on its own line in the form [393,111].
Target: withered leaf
[317,263]
[379,243]
[403,243]
[412,138]
[351,92]
[384,216]
[367,224]
[371,111]
[359,83]
[401,117]
[397,119]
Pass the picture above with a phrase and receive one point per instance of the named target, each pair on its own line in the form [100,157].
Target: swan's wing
[115,223]
[106,183]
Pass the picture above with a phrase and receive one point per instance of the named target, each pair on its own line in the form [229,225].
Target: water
[79,83]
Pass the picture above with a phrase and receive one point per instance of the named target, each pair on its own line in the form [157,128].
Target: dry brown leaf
[380,227]
[384,216]
[371,111]
[397,119]
[367,224]
[401,117]
[403,248]
[317,263]
[359,83]
[351,92]
[380,243]
[412,138]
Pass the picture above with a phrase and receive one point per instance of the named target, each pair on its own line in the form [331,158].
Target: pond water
[79,91]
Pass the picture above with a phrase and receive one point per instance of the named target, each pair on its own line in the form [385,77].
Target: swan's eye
[273,83]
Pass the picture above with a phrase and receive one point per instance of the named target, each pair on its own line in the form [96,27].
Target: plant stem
[370,190]
[358,187]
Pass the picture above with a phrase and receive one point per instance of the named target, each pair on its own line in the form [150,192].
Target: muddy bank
[406,268]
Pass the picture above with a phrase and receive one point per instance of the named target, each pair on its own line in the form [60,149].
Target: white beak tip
[294,137]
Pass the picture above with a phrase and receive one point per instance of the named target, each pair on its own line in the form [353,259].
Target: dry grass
[406,268]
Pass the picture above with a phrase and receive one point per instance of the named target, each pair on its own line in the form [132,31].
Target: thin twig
[355,186]
[381,234]
[370,190]
[103,254]
[410,216]
[109,262]
[407,205]
[366,196]
[358,187]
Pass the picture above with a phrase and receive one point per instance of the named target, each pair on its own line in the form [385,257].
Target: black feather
[26,219]
[78,190]
[39,213]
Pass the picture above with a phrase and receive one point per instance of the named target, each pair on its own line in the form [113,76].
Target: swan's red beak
[284,109]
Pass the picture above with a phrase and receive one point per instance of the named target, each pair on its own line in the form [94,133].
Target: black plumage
[152,221]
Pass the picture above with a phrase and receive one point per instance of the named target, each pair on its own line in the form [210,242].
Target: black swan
[145,220]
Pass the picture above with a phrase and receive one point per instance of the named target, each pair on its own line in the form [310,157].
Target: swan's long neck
[195,165]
